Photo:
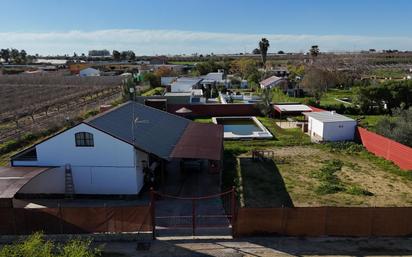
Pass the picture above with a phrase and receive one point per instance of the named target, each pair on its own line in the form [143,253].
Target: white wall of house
[339,131]
[315,127]
[106,168]
[331,131]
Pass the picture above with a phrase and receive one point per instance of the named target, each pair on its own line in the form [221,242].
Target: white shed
[330,126]
[89,72]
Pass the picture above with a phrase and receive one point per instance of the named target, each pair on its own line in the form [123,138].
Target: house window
[84,139]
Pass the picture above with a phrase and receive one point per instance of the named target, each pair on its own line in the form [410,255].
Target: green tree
[129,89]
[15,55]
[256,51]
[318,81]
[23,56]
[314,51]
[116,55]
[5,54]
[265,105]
[263,47]
[152,79]
[398,127]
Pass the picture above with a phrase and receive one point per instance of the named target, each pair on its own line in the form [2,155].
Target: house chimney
[332,112]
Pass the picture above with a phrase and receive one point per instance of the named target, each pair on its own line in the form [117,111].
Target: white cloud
[186,42]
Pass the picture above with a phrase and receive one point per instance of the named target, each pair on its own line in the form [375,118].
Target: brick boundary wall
[325,221]
[21,221]
[387,148]
[215,110]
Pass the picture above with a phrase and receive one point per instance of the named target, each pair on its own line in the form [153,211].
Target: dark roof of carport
[12,179]
[200,141]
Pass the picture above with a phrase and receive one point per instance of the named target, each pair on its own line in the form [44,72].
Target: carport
[12,179]
[201,141]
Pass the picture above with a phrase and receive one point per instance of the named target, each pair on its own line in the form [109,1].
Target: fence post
[152,212]
[14,221]
[325,226]
[233,199]
[60,217]
[106,218]
[193,217]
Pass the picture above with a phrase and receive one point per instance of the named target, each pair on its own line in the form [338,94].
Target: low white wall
[88,180]
[339,131]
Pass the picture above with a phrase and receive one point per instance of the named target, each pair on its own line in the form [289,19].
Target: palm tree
[263,47]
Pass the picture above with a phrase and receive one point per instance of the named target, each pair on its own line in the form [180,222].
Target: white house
[185,84]
[330,126]
[89,72]
[107,153]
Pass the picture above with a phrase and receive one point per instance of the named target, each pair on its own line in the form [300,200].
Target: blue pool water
[240,126]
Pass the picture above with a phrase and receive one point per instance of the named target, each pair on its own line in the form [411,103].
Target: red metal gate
[195,216]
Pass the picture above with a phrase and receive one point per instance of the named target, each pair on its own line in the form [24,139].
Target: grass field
[183,62]
[368,121]
[306,174]
[329,98]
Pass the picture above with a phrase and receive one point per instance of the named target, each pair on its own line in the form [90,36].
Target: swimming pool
[248,127]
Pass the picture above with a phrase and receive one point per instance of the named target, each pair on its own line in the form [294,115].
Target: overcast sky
[203,26]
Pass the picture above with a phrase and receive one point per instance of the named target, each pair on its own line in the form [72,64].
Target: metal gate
[193,216]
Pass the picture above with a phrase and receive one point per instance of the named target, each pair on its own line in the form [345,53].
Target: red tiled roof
[200,141]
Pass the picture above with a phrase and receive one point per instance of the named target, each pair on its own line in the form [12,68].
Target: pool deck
[262,134]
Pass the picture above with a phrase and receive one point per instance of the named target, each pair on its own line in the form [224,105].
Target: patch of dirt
[296,165]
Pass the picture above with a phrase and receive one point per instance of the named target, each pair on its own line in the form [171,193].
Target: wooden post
[152,212]
[193,217]
[233,211]
[60,218]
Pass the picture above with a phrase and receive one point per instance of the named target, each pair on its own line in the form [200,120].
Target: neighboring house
[195,96]
[167,81]
[330,126]
[185,84]
[89,72]
[219,76]
[109,153]
[272,82]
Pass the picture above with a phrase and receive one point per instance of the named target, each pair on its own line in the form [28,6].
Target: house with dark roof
[115,152]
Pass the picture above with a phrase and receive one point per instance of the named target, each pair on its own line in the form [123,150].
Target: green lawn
[154,91]
[183,62]
[389,73]
[368,121]
[329,98]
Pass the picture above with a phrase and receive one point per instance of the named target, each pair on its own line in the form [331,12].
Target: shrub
[345,147]
[36,246]
[356,190]
[330,183]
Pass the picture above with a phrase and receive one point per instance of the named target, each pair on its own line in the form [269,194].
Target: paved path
[268,246]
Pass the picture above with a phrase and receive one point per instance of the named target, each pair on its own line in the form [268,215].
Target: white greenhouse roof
[292,108]
[328,116]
